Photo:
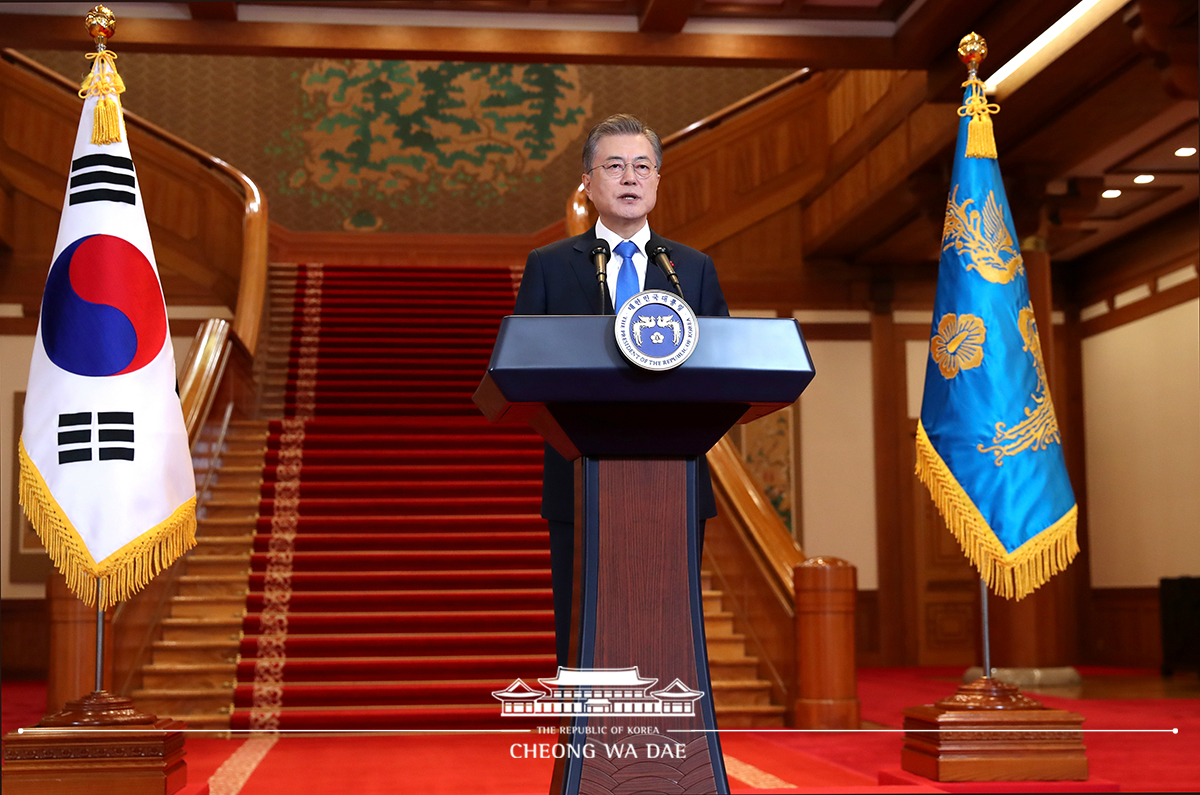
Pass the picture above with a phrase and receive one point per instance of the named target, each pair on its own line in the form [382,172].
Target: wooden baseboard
[1125,629]
[24,638]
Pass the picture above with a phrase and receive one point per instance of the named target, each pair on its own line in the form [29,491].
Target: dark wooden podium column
[638,604]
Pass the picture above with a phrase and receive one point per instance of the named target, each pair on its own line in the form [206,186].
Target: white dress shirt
[640,239]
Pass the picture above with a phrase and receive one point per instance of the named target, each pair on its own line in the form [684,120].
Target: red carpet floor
[400,572]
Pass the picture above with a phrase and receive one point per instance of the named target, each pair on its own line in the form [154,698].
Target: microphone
[600,254]
[661,256]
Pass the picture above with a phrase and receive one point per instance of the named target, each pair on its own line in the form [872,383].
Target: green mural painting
[400,132]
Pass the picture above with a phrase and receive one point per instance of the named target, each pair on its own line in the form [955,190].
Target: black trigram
[102,178]
[115,443]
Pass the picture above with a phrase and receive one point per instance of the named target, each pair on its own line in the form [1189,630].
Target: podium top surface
[574,359]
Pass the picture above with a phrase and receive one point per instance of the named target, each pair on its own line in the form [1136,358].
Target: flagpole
[987,647]
[100,634]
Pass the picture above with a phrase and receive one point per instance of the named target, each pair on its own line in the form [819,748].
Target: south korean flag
[106,473]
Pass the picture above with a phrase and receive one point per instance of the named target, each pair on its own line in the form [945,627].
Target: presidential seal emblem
[656,330]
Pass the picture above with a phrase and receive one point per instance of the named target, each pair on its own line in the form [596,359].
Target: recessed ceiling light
[1142,179]
[1111,193]
[1185,151]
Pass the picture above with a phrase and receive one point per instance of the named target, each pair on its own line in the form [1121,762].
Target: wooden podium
[637,701]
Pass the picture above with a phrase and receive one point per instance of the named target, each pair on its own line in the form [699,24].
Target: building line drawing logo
[598,691]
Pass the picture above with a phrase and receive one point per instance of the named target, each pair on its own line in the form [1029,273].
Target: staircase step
[195,651]
[418,580]
[208,564]
[409,644]
[181,676]
[420,506]
[182,702]
[718,624]
[212,584]
[201,628]
[750,717]
[536,539]
[441,621]
[465,599]
[741,692]
[399,668]
[232,606]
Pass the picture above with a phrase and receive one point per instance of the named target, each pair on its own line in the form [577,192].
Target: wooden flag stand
[97,745]
[990,731]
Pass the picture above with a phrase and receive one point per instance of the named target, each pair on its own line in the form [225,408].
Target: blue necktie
[627,280]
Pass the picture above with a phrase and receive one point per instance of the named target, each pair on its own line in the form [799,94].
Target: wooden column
[825,594]
[1041,630]
[897,603]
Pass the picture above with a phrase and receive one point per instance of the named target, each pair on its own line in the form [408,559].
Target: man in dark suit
[621,163]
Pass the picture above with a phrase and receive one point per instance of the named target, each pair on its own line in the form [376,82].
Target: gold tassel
[106,122]
[126,571]
[1012,575]
[981,138]
[104,82]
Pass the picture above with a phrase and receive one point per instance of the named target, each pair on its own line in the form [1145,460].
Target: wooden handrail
[253,281]
[201,373]
[756,518]
[723,115]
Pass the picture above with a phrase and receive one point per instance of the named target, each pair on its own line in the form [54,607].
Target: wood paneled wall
[25,627]
[1125,629]
[195,213]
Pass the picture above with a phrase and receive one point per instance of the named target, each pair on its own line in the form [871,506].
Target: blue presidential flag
[988,443]
[106,473]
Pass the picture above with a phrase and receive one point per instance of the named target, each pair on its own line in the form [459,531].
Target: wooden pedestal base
[988,731]
[98,745]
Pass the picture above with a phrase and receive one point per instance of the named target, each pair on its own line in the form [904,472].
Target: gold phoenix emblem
[958,344]
[1039,429]
[983,237]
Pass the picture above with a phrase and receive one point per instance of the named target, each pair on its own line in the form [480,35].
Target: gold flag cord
[104,82]
[124,572]
[981,137]
[1009,574]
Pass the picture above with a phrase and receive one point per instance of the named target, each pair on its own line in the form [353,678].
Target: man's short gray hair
[619,124]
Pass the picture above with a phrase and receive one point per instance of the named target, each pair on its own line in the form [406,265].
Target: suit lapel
[585,270]
[656,279]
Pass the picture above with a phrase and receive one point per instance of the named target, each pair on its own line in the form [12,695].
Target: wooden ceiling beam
[226,12]
[665,16]
[459,44]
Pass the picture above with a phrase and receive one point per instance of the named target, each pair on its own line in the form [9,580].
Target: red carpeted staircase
[400,571]
[373,557]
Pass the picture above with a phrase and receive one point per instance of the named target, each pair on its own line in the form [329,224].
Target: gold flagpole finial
[103,81]
[101,25]
[972,49]
[981,138]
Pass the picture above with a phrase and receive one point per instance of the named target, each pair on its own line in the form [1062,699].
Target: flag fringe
[124,572]
[1013,575]
[981,136]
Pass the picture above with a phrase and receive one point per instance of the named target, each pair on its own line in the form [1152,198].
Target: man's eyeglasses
[616,169]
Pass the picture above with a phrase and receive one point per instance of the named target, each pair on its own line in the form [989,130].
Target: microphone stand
[661,257]
[600,255]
